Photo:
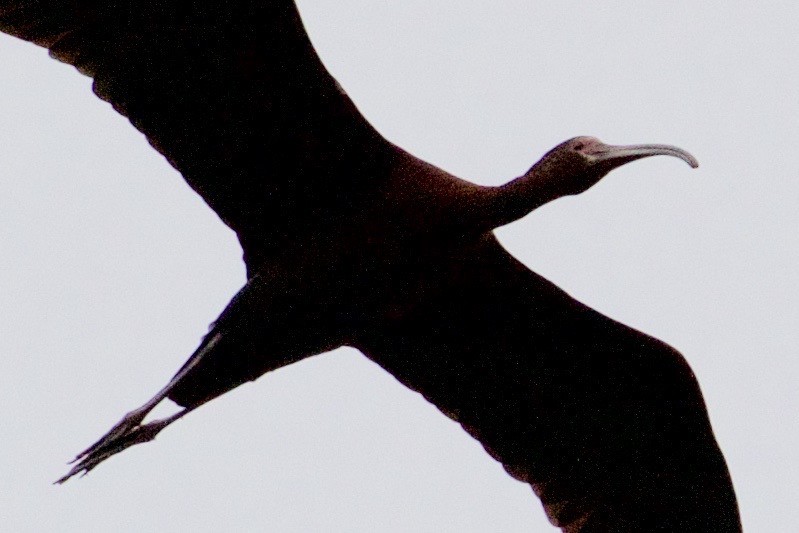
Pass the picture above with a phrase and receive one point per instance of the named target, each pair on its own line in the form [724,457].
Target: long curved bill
[619,155]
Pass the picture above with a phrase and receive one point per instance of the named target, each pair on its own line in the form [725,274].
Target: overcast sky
[112,267]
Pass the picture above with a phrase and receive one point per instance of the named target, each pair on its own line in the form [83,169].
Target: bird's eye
[579,146]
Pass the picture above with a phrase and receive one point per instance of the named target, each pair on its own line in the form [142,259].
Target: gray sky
[112,267]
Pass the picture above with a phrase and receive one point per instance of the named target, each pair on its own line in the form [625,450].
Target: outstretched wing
[607,424]
[232,93]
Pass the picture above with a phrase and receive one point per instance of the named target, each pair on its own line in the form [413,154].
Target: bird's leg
[273,293]
[119,439]
[130,431]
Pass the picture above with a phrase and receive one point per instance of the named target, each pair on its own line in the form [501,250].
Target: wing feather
[608,425]
[233,94]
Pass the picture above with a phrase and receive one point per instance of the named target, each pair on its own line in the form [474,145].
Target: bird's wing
[232,93]
[608,425]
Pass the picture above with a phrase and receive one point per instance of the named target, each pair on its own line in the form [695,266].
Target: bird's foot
[128,432]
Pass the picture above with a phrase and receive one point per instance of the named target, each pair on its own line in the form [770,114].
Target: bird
[349,240]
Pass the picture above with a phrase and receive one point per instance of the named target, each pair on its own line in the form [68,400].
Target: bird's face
[579,163]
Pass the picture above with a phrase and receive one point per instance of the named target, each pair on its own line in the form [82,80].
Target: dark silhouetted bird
[349,240]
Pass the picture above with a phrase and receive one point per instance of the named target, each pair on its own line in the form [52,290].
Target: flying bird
[350,240]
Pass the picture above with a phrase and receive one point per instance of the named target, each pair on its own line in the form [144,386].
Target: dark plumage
[349,240]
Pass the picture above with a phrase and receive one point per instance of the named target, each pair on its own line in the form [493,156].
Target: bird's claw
[125,434]
[130,422]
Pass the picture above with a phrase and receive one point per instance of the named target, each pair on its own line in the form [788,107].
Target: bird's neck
[431,197]
[513,200]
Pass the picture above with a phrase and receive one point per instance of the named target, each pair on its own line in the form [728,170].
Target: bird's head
[577,164]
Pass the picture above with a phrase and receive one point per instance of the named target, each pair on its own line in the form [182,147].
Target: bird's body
[349,240]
